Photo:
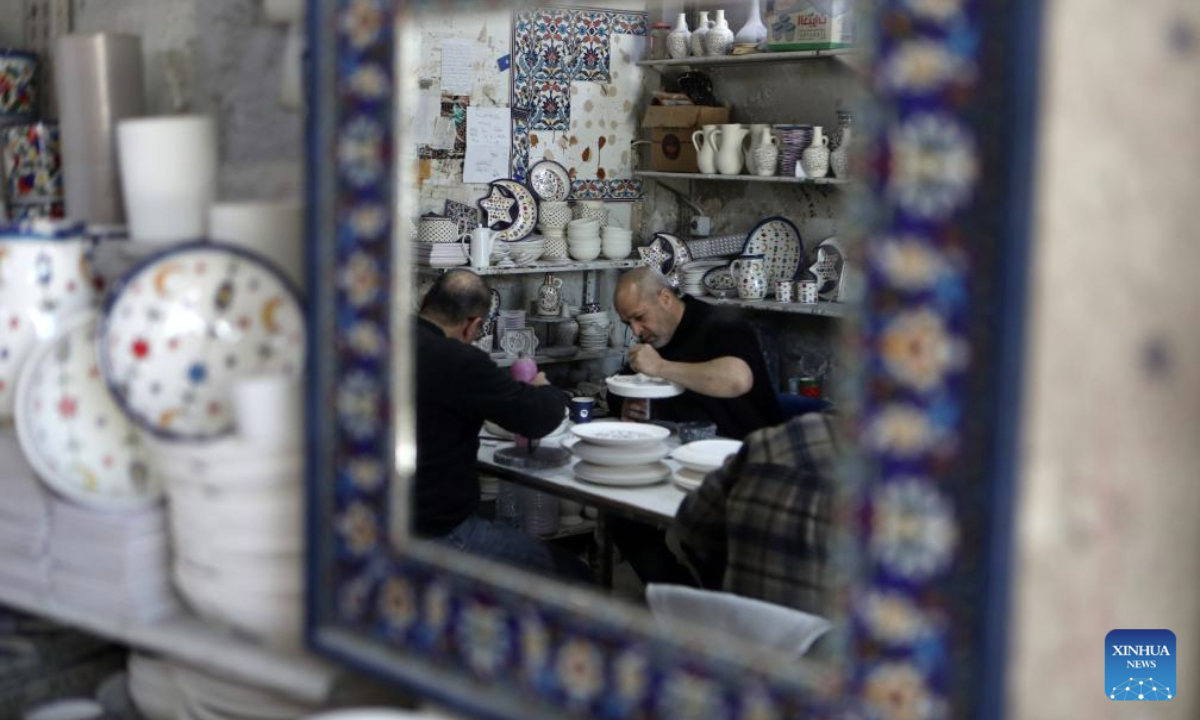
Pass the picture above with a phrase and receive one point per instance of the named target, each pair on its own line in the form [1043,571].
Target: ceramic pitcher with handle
[750,274]
[549,297]
[706,159]
[727,143]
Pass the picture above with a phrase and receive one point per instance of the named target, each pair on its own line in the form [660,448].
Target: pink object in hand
[524,369]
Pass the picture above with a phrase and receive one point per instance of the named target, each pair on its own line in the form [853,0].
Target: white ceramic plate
[688,479]
[705,455]
[550,181]
[623,476]
[642,386]
[778,240]
[73,432]
[185,324]
[618,456]
[620,434]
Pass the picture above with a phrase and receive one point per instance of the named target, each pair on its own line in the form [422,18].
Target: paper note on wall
[489,138]
[458,55]
[429,105]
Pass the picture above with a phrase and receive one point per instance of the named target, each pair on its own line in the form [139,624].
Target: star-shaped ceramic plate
[185,323]
[499,208]
[828,267]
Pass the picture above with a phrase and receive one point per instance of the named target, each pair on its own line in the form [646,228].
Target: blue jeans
[513,547]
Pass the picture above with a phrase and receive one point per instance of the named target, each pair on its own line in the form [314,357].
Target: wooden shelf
[750,59]
[826,309]
[580,356]
[742,178]
[190,640]
[572,266]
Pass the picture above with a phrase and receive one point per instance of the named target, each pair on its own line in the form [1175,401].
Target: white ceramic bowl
[584,254]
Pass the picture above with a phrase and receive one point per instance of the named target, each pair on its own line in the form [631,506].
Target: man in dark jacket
[458,387]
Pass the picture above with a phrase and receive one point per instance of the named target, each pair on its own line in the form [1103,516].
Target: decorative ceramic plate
[520,340]
[828,266]
[619,456]
[73,431]
[642,387]
[184,324]
[705,455]
[524,211]
[550,181]
[719,282]
[623,476]
[620,434]
[778,240]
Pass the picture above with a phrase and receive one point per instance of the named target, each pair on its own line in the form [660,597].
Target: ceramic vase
[759,133]
[727,144]
[766,157]
[566,333]
[815,159]
[753,31]
[677,41]
[696,42]
[706,159]
[719,40]
[549,297]
[749,272]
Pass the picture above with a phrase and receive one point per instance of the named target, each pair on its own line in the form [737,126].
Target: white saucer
[705,455]
[623,476]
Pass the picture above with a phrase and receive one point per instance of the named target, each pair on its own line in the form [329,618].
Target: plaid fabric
[764,516]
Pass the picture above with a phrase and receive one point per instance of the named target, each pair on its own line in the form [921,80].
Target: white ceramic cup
[169,176]
[481,247]
[269,410]
[274,230]
[807,291]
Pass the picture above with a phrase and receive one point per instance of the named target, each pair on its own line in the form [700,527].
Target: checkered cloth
[764,516]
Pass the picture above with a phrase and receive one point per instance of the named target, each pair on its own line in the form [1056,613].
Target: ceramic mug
[168,176]
[783,291]
[807,291]
[582,409]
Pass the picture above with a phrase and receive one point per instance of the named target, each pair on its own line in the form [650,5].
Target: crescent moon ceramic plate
[524,211]
[73,432]
[550,181]
[778,240]
[184,324]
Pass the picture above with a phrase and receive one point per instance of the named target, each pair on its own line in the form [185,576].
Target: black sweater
[458,387]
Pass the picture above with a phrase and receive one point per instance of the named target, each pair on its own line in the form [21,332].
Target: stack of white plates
[24,522]
[617,242]
[583,239]
[508,320]
[593,331]
[700,458]
[440,254]
[114,564]
[152,689]
[525,252]
[236,511]
[621,453]
[691,275]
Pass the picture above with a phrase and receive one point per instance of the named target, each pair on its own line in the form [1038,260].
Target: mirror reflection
[634,261]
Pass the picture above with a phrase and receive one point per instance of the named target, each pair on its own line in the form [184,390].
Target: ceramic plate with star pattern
[187,322]
[525,211]
[72,430]
[778,240]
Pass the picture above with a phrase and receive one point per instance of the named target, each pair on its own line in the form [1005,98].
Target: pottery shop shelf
[504,361]
[749,59]
[741,178]
[572,266]
[192,641]
[826,309]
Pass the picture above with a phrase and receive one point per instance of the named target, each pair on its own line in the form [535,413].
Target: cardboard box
[671,129]
[801,25]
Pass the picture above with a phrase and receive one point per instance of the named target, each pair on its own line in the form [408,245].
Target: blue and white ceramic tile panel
[575,88]
[911,608]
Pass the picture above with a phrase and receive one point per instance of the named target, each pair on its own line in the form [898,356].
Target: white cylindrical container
[168,175]
[269,410]
[274,230]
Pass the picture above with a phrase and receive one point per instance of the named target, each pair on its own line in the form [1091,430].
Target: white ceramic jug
[727,143]
[482,240]
[759,133]
[750,274]
[706,158]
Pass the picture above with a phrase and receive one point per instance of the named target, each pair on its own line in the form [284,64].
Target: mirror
[901,535]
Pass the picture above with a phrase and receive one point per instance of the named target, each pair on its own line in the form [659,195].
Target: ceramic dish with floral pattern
[778,240]
[72,430]
[185,323]
[719,282]
[550,181]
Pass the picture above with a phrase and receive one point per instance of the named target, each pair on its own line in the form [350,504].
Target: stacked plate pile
[700,458]
[114,564]
[441,254]
[583,239]
[24,522]
[508,320]
[527,251]
[620,453]
[616,242]
[593,331]
[691,275]
[236,518]
[793,141]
